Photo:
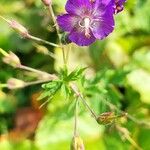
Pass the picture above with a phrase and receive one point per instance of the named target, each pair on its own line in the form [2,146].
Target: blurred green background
[122,61]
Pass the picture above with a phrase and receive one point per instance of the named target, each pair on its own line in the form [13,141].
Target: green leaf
[76,74]
[50,90]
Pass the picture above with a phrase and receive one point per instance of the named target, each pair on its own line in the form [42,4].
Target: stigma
[87,23]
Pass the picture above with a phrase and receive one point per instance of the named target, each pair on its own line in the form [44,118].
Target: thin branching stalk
[76,118]
[126,135]
[4,19]
[67,54]
[36,82]
[3,52]
[135,120]
[31,37]
[3,86]
[41,41]
[43,104]
[45,74]
[51,11]
[79,95]
[88,107]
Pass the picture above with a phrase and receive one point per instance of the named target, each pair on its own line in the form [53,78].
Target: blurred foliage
[118,70]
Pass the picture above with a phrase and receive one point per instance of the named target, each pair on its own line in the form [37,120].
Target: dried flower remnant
[18,28]
[109,117]
[13,83]
[12,59]
[77,143]
[106,118]
[86,20]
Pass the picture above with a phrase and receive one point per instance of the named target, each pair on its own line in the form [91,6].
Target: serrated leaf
[43,95]
[76,74]
[50,89]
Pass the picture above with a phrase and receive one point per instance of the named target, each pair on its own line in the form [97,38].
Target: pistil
[87,27]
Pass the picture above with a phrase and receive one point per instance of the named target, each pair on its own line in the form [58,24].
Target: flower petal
[100,7]
[77,6]
[105,25]
[78,36]
[102,3]
[67,21]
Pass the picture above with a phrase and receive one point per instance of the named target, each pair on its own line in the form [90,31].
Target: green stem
[31,69]
[76,118]
[33,37]
[44,74]
[79,95]
[112,106]
[3,52]
[67,55]
[3,86]
[51,11]
[41,40]
[36,82]
[88,107]
[4,19]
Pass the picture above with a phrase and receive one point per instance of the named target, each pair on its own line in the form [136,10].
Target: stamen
[85,23]
[92,1]
[87,33]
[87,27]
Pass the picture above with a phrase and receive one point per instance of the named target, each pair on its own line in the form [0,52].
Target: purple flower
[119,5]
[87,20]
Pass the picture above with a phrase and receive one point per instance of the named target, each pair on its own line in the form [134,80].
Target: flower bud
[13,83]
[18,28]
[106,118]
[12,60]
[47,2]
[77,143]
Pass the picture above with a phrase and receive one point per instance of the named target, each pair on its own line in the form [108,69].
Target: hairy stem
[112,106]
[3,86]
[28,36]
[67,55]
[51,11]
[41,40]
[88,107]
[36,82]
[42,73]
[79,95]
[126,135]
[3,52]
[76,118]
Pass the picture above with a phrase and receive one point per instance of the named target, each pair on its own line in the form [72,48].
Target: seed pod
[47,2]
[106,118]
[77,143]
[18,28]
[13,83]
[12,59]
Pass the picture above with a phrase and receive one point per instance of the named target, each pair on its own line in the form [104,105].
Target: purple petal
[78,36]
[105,25]
[67,21]
[120,2]
[101,6]
[107,2]
[102,3]
[77,6]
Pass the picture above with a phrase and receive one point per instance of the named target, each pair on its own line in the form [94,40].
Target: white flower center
[85,23]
